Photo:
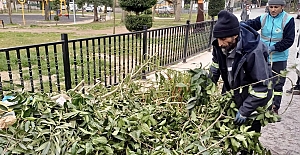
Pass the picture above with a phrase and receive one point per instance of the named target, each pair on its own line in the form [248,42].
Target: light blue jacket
[272,32]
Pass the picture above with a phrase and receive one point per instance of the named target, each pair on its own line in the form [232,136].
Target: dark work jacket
[250,65]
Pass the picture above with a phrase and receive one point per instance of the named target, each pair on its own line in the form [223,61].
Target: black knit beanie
[227,25]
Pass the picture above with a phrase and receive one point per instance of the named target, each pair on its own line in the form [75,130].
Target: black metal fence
[61,65]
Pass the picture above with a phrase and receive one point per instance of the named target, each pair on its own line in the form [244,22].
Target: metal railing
[59,66]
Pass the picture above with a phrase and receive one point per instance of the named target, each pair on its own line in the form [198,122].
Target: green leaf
[235,144]
[22,146]
[88,148]
[267,114]
[3,107]
[120,137]
[74,148]
[30,118]
[162,123]
[42,147]
[193,116]
[27,126]
[71,114]
[260,117]
[86,132]
[135,134]
[26,140]
[117,129]
[109,150]
[99,140]
[46,150]
[240,137]
[145,128]
[189,147]
[181,85]
[232,105]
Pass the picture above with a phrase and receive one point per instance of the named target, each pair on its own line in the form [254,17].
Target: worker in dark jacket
[278,33]
[240,58]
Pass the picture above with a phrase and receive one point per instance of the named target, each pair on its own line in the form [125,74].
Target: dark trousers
[278,82]
[298,82]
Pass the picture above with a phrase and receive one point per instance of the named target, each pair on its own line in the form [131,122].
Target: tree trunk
[46,4]
[95,14]
[8,4]
[191,9]
[153,12]
[14,3]
[124,13]
[258,3]
[200,15]
[178,11]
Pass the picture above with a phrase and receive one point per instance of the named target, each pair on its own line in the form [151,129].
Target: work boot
[275,109]
[294,89]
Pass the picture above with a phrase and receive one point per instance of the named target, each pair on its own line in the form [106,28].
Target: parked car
[108,9]
[89,9]
[164,9]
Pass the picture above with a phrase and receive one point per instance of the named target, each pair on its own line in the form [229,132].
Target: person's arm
[214,68]
[254,23]
[287,39]
[257,69]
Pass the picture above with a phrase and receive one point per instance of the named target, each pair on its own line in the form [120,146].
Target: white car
[165,9]
[89,9]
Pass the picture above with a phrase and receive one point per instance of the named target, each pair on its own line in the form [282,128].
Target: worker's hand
[239,119]
[271,48]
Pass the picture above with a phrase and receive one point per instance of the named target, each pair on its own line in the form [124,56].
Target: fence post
[186,40]
[144,50]
[211,34]
[66,61]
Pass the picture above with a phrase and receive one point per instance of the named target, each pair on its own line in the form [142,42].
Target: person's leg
[278,83]
[297,87]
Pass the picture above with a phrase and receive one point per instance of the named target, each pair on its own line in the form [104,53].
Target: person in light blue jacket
[278,33]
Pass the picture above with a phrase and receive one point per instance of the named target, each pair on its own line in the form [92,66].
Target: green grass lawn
[29,35]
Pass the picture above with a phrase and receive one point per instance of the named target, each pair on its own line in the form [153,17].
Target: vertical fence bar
[56,68]
[66,61]
[75,63]
[210,33]
[20,68]
[104,58]
[109,57]
[99,61]
[39,68]
[144,50]
[94,61]
[187,29]
[48,68]
[9,70]
[119,46]
[1,88]
[124,56]
[81,61]
[88,61]
[115,60]
[30,69]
